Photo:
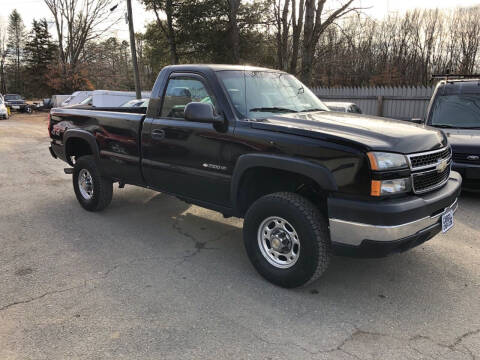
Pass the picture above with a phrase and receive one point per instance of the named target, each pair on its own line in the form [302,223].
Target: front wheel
[287,239]
[93,191]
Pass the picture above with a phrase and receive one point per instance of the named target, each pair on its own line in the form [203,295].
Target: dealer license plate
[447,221]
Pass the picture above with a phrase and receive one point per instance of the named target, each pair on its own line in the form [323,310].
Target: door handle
[158,134]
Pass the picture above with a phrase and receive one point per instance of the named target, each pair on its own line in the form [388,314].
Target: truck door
[183,157]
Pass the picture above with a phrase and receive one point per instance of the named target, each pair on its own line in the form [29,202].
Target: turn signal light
[389,186]
[376,188]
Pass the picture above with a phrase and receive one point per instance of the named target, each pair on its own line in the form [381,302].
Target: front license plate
[15,107]
[447,221]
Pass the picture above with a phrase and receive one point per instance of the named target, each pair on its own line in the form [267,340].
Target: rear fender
[84,135]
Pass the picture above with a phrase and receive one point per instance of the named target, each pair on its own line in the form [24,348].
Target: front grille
[464,158]
[430,158]
[429,180]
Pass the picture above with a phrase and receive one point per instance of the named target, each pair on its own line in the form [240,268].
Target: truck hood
[370,132]
[464,140]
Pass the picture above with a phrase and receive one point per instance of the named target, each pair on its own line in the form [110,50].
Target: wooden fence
[393,102]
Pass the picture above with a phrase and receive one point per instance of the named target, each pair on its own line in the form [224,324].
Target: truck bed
[114,131]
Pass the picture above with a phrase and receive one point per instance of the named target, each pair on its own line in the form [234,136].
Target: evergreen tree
[16,34]
[40,52]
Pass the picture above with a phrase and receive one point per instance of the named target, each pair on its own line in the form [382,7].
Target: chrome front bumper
[354,233]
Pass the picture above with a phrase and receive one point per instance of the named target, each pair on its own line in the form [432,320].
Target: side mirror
[416,120]
[202,112]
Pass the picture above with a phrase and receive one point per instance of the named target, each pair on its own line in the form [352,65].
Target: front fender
[318,173]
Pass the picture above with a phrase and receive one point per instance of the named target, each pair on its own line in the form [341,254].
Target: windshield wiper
[273,110]
[444,126]
[312,109]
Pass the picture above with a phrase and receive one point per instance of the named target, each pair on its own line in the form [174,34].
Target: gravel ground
[154,278]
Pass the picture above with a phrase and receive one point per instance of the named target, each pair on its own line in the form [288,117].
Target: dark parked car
[257,144]
[455,108]
[17,103]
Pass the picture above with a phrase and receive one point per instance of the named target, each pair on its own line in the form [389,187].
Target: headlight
[390,187]
[386,161]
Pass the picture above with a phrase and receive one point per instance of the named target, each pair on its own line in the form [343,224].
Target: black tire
[102,187]
[312,229]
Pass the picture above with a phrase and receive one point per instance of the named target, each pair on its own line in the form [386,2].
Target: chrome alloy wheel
[85,184]
[278,242]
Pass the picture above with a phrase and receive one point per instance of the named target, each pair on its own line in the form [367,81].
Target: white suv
[3,109]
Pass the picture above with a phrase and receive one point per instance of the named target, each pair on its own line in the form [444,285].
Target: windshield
[131,103]
[13,97]
[258,94]
[456,111]
[87,101]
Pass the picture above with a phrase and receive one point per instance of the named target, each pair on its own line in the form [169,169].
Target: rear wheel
[93,191]
[287,239]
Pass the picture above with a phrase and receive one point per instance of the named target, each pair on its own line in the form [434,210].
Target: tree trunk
[308,47]
[234,31]
[171,33]
[3,85]
[297,25]
[284,38]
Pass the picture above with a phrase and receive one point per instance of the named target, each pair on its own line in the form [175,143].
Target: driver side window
[180,92]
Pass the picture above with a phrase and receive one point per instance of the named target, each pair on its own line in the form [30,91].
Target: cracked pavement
[155,278]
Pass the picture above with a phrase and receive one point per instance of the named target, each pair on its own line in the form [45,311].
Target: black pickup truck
[257,144]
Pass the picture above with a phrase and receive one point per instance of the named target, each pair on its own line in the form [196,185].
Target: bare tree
[317,21]
[469,36]
[77,22]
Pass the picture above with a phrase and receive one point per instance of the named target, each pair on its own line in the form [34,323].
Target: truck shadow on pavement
[162,223]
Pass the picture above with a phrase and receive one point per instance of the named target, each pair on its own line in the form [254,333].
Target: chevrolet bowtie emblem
[442,165]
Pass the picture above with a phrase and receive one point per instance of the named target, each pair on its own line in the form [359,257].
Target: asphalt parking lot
[154,278]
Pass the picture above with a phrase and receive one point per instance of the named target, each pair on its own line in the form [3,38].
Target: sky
[30,9]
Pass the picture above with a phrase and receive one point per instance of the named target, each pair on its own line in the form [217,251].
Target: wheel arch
[289,168]
[79,142]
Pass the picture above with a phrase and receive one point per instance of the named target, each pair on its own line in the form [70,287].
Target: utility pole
[133,49]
